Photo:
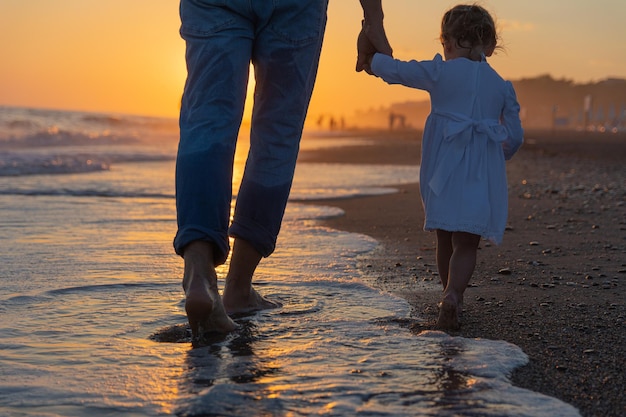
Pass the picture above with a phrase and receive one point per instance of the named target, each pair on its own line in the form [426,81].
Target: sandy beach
[555,287]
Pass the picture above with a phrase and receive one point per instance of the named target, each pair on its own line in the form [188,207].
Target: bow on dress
[458,133]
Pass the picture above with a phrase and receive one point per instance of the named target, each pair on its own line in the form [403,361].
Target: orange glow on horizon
[107,56]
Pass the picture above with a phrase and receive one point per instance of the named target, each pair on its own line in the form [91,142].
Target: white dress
[473,127]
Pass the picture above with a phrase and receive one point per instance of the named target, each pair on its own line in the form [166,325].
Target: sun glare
[247,111]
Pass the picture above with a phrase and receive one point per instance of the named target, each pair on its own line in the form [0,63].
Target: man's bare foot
[205,311]
[242,302]
[448,316]
[239,296]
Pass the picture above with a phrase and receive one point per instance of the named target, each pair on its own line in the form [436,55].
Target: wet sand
[555,287]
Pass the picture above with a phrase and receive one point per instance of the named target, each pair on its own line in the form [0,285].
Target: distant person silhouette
[282,40]
[473,127]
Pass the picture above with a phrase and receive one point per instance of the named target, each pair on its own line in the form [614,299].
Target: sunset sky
[125,56]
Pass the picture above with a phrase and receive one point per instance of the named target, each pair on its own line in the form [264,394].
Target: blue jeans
[282,39]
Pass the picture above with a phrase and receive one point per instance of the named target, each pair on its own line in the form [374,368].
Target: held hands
[372,39]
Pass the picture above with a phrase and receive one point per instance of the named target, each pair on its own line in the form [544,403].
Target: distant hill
[545,101]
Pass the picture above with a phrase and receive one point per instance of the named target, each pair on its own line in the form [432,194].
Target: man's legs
[285,57]
[219,45]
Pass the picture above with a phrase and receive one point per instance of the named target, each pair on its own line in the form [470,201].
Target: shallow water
[92,309]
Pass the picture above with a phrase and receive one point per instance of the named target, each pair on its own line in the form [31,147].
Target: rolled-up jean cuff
[253,233]
[192,233]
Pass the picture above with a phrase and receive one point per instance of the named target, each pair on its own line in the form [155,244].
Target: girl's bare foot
[448,316]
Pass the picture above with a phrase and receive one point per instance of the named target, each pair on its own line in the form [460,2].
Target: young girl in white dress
[473,127]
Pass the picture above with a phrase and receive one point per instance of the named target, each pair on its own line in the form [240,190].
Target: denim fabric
[282,39]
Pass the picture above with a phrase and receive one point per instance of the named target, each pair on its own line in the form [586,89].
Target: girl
[473,127]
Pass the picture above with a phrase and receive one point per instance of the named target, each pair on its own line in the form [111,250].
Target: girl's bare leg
[239,296]
[205,311]
[444,253]
[461,268]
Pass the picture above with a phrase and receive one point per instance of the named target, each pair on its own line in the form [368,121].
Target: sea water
[92,310]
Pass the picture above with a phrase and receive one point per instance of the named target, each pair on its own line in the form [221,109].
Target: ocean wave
[55,136]
[21,124]
[106,119]
[25,127]
[88,192]
[107,288]
[16,164]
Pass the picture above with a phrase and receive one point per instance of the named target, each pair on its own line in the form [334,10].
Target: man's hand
[371,39]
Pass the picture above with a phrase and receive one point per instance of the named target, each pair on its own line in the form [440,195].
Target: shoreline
[554,287]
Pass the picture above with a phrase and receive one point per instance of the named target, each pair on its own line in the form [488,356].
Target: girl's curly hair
[472,27]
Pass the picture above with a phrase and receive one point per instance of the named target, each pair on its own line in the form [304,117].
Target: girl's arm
[416,74]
